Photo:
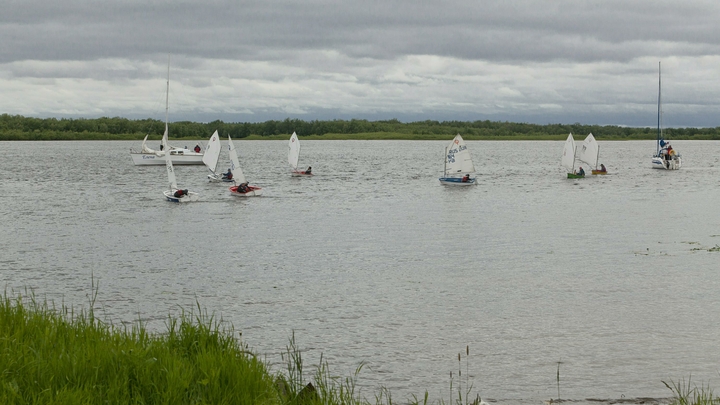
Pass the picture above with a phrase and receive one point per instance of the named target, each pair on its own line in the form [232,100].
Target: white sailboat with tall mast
[665,156]
[458,164]
[175,193]
[241,187]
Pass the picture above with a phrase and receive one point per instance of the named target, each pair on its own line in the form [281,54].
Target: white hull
[672,164]
[151,159]
[218,178]
[190,197]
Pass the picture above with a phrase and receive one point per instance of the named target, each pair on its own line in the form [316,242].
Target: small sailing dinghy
[665,156]
[568,159]
[458,164]
[211,157]
[241,187]
[294,156]
[590,153]
[175,194]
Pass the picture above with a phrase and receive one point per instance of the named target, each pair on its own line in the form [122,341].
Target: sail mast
[659,131]
[167,92]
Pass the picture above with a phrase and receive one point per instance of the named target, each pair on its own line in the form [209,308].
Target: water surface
[372,260]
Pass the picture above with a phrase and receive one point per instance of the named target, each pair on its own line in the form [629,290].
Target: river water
[372,261]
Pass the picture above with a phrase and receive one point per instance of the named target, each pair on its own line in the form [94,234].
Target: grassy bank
[54,355]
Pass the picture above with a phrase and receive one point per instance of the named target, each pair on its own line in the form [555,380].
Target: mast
[659,108]
[446,158]
[167,92]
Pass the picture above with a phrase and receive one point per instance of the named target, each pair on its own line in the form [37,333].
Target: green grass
[686,393]
[52,355]
[58,356]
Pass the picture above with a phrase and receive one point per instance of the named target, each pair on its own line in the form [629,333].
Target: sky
[542,61]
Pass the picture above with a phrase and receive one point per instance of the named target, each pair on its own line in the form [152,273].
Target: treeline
[15,127]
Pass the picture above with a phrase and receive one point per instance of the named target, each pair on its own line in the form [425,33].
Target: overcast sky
[547,61]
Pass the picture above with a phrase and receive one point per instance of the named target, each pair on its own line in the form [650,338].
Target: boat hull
[300,173]
[151,159]
[252,191]
[214,178]
[575,176]
[672,164]
[190,197]
[596,172]
[456,181]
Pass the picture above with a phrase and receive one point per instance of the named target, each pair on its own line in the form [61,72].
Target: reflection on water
[372,260]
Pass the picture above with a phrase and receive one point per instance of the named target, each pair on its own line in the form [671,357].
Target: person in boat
[465,178]
[180,193]
[161,147]
[602,168]
[309,170]
[581,172]
[243,188]
[197,148]
[228,175]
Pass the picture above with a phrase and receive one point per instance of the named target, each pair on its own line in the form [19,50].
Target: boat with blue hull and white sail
[458,164]
[665,156]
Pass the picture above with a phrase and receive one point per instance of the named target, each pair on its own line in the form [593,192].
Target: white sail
[238,175]
[590,151]
[168,162]
[293,151]
[568,157]
[212,152]
[457,158]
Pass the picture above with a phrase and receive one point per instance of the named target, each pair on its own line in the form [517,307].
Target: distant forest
[15,127]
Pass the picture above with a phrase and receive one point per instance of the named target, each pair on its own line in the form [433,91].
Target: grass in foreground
[52,355]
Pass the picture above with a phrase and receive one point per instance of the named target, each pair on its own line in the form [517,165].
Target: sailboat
[665,156]
[211,157]
[174,194]
[241,189]
[294,156]
[568,159]
[590,153]
[458,164]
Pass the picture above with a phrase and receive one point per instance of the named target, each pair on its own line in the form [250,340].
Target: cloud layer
[565,61]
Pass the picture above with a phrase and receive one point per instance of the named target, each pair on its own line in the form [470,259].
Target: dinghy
[568,159]
[458,164]
[294,156]
[174,194]
[241,187]
[590,153]
[211,157]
